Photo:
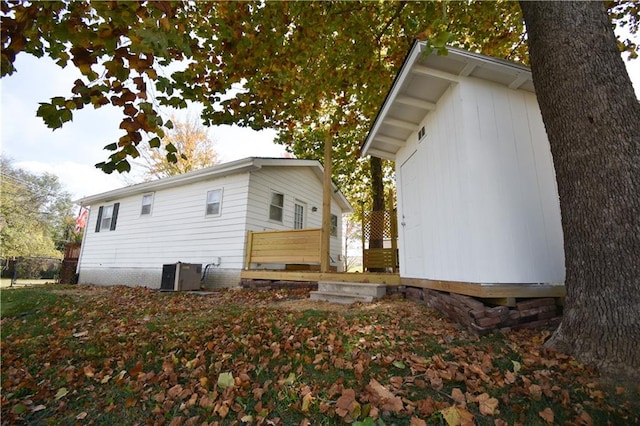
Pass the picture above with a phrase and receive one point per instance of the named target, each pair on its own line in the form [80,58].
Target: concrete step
[363,289]
[341,298]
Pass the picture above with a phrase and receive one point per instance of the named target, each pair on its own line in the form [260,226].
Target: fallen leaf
[547,415]
[39,408]
[415,421]
[82,416]
[457,416]
[306,402]
[225,380]
[458,397]
[487,404]
[81,334]
[387,399]
[516,367]
[536,392]
[62,392]
[399,364]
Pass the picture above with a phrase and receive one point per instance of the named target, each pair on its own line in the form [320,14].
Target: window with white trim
[298,216]
[214,202]
[147,202]
[107,216]
[276,206]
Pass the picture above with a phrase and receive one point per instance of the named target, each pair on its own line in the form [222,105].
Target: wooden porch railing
[284,247]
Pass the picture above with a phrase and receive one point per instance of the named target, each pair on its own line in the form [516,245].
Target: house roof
[420,83]
[219,170]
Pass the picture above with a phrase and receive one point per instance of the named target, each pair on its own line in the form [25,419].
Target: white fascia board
[233,167]
[417,50]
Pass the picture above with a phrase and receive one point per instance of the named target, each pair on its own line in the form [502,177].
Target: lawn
[95,355]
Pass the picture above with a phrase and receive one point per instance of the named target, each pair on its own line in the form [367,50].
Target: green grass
[25,301]
[120,352]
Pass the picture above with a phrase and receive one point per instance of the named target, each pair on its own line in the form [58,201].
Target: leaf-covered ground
[120,355]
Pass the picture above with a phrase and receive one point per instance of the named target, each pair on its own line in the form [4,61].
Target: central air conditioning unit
[181,276]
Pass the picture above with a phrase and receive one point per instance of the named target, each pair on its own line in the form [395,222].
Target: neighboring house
[202,217]
[477,195]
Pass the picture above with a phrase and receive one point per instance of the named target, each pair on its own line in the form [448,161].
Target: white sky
[72,151]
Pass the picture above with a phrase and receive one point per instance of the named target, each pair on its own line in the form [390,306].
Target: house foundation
[483,317]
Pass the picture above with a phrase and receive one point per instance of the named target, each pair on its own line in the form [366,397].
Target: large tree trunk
[593,122]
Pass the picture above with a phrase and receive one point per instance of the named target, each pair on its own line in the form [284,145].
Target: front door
[411,259]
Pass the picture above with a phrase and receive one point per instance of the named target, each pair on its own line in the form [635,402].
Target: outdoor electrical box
[181,276]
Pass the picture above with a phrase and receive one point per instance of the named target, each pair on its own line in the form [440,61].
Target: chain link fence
[30,270]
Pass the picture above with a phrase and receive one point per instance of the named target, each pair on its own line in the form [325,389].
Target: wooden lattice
[380,227]
[377,225]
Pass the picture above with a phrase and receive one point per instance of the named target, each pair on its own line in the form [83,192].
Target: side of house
[292,199]
[201,222]
[201,217]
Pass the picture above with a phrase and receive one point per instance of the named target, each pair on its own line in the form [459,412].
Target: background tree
[184,148]
[308,69]
[35,213]
[592,118]
[352,244]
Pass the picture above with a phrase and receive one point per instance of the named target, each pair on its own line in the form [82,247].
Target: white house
[202,217]
[477,195]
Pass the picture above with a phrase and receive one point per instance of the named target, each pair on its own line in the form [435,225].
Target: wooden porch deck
[315,276]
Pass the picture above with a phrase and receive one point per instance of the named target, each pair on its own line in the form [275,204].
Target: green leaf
[62,392]
[516,366]
[399,364]
[225,380]
[123,166]
[154,143]
[50,114]
[19,408]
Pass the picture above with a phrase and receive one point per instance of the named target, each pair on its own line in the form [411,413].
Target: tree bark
[592,120]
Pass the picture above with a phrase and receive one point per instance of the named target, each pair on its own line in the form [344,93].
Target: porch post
[325,237]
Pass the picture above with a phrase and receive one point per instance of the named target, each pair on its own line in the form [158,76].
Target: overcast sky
[72,152]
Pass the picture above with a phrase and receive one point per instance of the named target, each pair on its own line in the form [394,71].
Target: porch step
[346,293]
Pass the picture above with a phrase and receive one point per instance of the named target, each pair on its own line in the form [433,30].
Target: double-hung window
[147,202]
[107,216]
[214,202]
[276,206]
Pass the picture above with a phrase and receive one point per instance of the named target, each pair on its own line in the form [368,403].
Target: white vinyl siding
[307,191]
[147,203]
[214,202]
[485,163]
[178,230]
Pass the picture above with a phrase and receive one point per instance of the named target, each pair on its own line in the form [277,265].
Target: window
[147,201]
[334,226]
[275,209]
[298,216]
[107,216]
[214,202]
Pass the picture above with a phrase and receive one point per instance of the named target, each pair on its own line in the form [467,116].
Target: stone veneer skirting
[483,318]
